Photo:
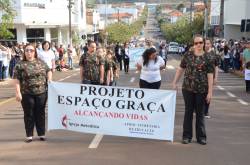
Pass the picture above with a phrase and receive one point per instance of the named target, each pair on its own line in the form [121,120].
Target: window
[215,20]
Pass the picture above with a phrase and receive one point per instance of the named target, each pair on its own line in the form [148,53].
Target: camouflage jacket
[215,58]
[32,76]
[196,70]
[91,66]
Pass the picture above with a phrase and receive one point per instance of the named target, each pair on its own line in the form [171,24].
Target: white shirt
[127,53]
[47,57]
[151,72]
[4,58]
[1,55]
[247,74]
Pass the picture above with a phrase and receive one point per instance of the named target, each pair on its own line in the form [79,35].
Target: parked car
[173,47]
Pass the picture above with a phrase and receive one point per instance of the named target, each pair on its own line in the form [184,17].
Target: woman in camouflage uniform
[109,68]
[196,89]
[31,76]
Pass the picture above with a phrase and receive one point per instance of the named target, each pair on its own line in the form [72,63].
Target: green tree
[76,39]
[8,14]
[180,6]
[90,3]
[121,32]
[182,31]
[118,32]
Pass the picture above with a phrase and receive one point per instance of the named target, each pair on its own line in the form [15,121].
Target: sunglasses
[196,43]
[29,50]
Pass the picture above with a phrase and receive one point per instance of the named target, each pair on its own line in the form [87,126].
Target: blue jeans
[1,70]
[70,62]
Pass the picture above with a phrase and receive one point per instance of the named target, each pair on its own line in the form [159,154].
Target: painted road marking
[8,100]
[230,94]
[132,79]
[170,67]
[220,87]
[65,78]
[95,142]
[242,102]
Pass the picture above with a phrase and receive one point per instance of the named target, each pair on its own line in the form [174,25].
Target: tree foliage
[182,31]
[180,6]
[7,18]
[122,32]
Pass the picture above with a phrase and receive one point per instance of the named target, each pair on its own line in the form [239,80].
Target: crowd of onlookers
[60,55]
[231,53]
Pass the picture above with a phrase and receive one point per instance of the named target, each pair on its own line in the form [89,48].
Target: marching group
[101,66]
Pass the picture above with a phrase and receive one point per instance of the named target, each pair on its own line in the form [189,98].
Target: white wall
[233,32]
[235,11]
[54,13]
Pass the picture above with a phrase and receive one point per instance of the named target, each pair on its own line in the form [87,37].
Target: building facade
[234,12]
[48,20]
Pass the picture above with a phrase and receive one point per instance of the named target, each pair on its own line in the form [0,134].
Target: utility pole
[118,12]
[70,28]
[191,10]
[222,19]
[106,33]
[206,18]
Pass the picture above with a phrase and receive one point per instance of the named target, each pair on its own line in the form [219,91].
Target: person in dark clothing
[196,89]
[118,54]
[31,78]
[126,56]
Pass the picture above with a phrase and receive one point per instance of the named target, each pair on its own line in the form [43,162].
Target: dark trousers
[194,102]
[34,113]
[145,84]
[1,70]
[206,106]
[247,85]
[126,64]
[119,59]
[226,64]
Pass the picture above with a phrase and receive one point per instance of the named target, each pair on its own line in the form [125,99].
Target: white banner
[121,111]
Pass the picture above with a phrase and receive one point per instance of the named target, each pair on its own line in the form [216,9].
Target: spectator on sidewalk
[61,52]
[246,66]
[226,58]
[47,55]
[196,89]
[31,76]
[4,62]
[70,52]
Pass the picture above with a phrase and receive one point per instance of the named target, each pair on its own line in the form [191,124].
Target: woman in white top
[150,66]
[47,55]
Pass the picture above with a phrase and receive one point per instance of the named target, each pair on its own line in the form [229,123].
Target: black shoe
[202,142]
[186,141]
[42,138]
[28,140]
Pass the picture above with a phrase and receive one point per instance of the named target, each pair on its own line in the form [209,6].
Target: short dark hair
[90,42]
[44,42]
